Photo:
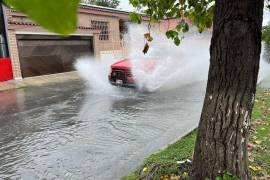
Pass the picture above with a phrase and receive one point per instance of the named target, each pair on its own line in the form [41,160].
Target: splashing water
[95,73]
[264,74]
[174,66]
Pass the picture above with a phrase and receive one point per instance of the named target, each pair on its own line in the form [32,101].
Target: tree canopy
[65,11]
[105,3]
[199,12]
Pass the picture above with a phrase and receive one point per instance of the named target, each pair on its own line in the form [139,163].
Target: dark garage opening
[45,54]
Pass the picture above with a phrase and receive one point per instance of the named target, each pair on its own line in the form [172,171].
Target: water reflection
[34,123]
[49,133]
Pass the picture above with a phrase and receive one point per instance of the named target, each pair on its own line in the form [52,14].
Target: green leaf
[134,3]
[185,28]
[171,34]
[201,28]
[179,27]
[177,41]
[59,16]
[182,2]
[134,17]
[172,12]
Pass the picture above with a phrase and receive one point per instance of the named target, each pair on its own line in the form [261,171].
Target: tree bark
[223,132]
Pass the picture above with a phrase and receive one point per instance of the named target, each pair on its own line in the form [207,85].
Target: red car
[121,71]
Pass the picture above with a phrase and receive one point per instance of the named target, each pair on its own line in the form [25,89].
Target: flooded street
[63,132]
[71,131]
[90,130]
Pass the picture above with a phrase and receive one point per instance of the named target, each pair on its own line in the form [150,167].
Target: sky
[124,4]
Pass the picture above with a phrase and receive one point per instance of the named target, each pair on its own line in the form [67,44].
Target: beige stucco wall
[114,42]
[20,24]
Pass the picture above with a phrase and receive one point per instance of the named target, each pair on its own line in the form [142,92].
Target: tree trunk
[223,132]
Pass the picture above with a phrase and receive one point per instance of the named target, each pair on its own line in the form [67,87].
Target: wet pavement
[68,131]
[65,131]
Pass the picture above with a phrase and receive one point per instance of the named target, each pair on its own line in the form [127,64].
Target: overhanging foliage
[199,12]
[59,16]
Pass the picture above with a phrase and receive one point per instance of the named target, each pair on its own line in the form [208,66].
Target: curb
[39,81]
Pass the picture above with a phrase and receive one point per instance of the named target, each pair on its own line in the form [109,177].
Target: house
[33,51]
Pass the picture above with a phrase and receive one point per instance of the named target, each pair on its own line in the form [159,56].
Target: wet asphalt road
[68,131]
[65,131]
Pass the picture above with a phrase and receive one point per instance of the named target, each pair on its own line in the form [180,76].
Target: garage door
[44,54]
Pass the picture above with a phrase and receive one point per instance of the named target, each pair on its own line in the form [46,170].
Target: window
[104,27]
[3,43]
[3,47]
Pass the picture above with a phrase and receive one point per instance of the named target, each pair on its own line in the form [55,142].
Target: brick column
[96,46]
[14,54]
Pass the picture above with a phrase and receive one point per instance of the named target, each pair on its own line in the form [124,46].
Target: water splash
[175,66]
[264,74]
[95,73]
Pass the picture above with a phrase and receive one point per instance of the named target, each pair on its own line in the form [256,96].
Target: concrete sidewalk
[39,80]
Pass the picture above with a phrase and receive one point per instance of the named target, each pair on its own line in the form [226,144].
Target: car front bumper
[124,84]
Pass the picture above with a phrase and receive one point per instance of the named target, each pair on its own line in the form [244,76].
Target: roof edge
[107,8]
